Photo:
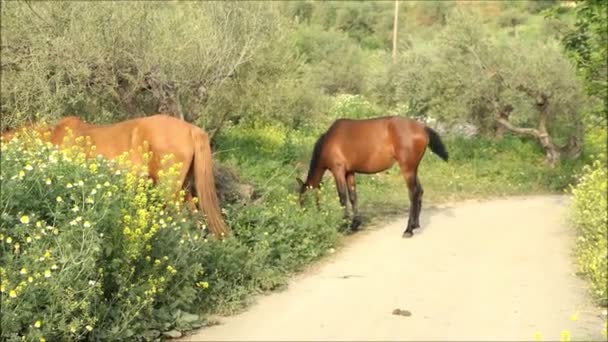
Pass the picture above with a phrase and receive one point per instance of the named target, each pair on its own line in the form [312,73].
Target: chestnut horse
[164,135]
[371,146]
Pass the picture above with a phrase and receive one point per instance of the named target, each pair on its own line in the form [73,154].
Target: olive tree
[118,60]
[499,83]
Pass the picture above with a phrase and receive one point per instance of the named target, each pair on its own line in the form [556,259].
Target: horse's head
[303,187]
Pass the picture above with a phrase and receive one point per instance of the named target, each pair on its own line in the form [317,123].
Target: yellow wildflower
[89,328]
[2,288]
[23,271]
[48,181]
[86,224]
[59,199]
[574,317]
[37,324]
[564,336]
[12,294]
[25,219]
[42,339]
[47,273]
[28,239]
[30,279]
[9,239]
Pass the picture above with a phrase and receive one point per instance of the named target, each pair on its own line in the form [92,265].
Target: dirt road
[477,270]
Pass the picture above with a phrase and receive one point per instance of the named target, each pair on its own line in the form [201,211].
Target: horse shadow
[380,217]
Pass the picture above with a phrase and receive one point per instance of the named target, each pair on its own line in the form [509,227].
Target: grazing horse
[164,135]
[371,146]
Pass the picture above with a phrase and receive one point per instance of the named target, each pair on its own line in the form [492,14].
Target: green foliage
[335,63]
[352,107]
[124,59]
[88,251]
[589,214]
[587,44]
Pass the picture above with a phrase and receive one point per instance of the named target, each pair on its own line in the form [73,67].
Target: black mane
[316,152]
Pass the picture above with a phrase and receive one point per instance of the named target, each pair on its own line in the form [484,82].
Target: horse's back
[372,145]
[373,130]
[167,134]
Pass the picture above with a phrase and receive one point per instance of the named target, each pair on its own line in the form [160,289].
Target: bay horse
[370,146]
[164,135]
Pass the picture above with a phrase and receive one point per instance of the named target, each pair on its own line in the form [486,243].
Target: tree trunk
[395,29]
[503,113]
[552,152]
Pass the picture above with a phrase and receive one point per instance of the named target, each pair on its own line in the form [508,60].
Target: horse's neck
[315,176]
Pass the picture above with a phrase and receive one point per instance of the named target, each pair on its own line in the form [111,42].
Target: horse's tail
[436,144]
[205,185]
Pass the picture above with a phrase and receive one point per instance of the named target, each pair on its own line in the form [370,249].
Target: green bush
[589,214]
[88,251]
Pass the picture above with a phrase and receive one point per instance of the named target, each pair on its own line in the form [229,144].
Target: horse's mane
[316,153]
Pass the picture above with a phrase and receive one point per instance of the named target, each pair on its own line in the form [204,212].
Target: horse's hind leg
[419,203]
[352,195]
[415,193]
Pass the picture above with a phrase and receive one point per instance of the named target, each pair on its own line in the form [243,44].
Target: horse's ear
[300,182]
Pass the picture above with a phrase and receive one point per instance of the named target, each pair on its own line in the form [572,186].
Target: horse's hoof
[407,234]
[355,225]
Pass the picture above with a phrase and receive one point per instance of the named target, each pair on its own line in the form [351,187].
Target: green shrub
[88,251]
[352,107]
[589,214]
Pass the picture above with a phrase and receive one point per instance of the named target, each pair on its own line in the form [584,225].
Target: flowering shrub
[590,216]
[89,250]
[352,107]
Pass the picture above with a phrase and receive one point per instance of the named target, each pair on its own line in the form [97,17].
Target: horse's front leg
[352,195]
[340,179]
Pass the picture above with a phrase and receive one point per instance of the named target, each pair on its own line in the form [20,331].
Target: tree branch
[520,130]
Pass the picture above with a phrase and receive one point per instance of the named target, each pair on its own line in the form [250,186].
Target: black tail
[436,144]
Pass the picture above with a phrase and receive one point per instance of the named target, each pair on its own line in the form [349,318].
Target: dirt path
[493,270]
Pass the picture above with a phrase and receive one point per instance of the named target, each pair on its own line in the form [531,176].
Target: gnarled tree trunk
[552,151]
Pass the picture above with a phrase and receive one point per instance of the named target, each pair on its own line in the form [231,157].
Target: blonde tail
[205,185]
